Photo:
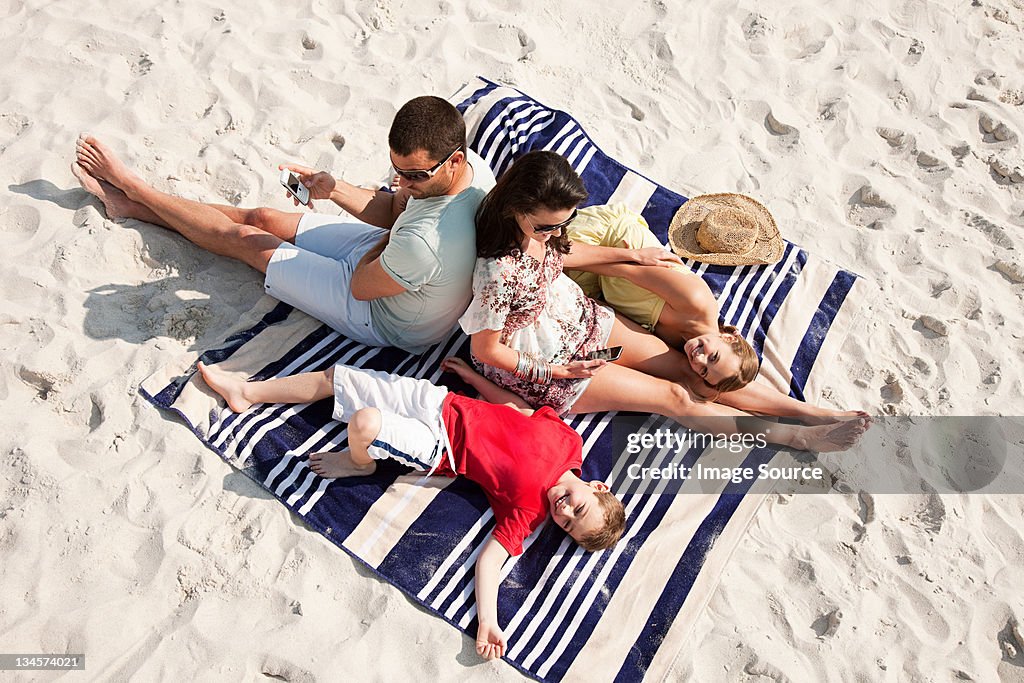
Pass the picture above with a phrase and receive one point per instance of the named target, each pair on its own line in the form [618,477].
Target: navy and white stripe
[557,604]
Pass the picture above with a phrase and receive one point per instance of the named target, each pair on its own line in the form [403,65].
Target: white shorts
[315,274]
[411,430]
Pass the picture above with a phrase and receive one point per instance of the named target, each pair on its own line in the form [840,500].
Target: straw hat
[727,230]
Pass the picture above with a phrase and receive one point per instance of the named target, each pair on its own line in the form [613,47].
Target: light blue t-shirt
[432,252]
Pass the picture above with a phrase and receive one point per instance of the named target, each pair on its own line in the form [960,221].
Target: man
[401,276]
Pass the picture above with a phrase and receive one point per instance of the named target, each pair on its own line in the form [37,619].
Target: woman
[531,325]
[675,304]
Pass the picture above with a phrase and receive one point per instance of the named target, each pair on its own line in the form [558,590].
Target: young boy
[527,462]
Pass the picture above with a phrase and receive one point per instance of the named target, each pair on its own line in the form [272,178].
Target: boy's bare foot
[229,387]
[335,465]
[115,203]
[100,162]
[839,437]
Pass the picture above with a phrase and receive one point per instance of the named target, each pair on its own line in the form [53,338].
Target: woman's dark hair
[537,180]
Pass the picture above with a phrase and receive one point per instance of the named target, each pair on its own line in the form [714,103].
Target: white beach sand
[883,135]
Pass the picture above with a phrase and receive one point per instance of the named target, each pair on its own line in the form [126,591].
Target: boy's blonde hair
[614,524]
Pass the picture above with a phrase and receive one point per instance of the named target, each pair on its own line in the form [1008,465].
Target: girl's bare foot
[101,163]
[334,465]
[231,388]
[115,203]
[838,437]
[828,417]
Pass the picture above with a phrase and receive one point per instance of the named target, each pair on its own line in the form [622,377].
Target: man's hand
[375,251]
[656,256]
[319,183]
[490,641]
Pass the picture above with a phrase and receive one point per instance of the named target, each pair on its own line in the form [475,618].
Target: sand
[882,134]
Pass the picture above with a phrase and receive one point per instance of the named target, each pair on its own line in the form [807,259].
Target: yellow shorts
[616,226]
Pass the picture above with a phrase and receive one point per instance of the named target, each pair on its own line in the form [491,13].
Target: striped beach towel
[619,614]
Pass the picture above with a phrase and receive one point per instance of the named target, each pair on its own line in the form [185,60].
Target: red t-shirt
[514,458]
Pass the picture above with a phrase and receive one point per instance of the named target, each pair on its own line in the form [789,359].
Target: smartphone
[605,354]
[294,185]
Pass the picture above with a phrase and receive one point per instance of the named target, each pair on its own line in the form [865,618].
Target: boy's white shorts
[411,424]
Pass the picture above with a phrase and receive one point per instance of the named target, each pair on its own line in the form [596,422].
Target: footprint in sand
[900,98]
[19,225]
[833,110]
[634,111]
[987,77]
[1012,271]
[866,511]
[785,135]
[140,64]
[312,48]
[826,625]
[1005,173]
[892,390]
[756,29]
[932,168]
[12,124]
[897,139]
[805,40]
[914,52]
[931,514]
[526,43]
[995,234]
[995,132]
[45,383]
[95,413]
[869,208]
[908,49]
[282,669]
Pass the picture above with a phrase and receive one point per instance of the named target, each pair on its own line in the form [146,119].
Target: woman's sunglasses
[556,226]
[424,174]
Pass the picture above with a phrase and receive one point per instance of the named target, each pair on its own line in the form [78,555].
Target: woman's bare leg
[765,400]
[619,388]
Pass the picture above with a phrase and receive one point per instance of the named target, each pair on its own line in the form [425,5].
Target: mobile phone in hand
[609,354]
[294,185]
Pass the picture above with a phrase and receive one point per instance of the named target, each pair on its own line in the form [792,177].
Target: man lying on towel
[526,461]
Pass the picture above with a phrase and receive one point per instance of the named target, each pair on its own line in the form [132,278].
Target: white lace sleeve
[493,288]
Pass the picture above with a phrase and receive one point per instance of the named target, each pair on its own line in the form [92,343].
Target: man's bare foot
[231,388]
[115,203]
[839,437]
[334,465]
[100,162]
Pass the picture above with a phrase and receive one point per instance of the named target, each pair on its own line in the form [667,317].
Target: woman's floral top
[541,312]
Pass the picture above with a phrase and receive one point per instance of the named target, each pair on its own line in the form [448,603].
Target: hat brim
[682,232]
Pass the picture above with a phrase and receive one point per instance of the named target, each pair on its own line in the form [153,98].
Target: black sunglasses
[424,174]
[556,226]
